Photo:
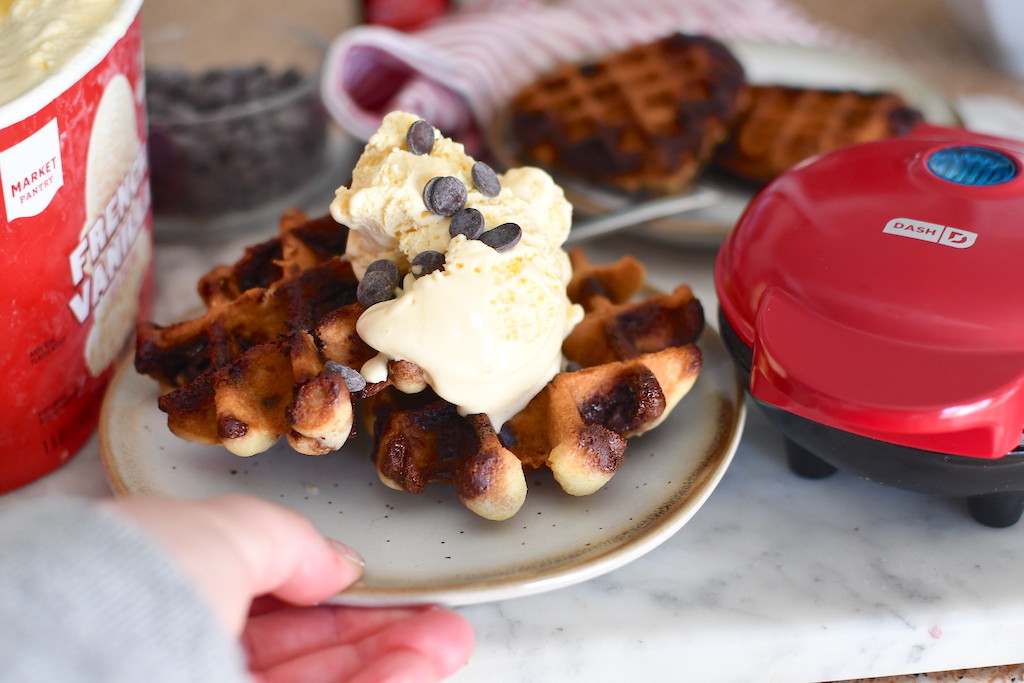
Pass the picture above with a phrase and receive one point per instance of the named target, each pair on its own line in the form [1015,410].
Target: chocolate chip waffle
[420,439]
[272,354]
[645,119]
[781,126]
[275,355]
[616,282]
[301,244]
[633,363]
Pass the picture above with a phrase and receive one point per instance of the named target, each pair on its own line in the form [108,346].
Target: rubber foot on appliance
[997,510]
[805,464]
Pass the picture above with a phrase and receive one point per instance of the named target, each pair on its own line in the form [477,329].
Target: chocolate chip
[444,195]
[353,380]
[428,189]
[386,266]
[230,427]
[468,222]
[427,262]
[485,179]
[420,137]
[503,237]
[375,287]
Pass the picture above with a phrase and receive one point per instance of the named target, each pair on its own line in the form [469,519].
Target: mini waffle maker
[875,298]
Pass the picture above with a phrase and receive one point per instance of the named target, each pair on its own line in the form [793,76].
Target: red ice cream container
[76,239]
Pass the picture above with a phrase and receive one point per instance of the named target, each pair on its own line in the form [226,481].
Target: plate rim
[703,480]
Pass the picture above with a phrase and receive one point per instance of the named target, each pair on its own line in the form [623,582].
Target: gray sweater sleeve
[86,596]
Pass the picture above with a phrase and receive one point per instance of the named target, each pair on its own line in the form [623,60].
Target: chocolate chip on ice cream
[427,262]
[468,222]
[444,195]
[503,237]
[420,137]
[485,179]
[378,284]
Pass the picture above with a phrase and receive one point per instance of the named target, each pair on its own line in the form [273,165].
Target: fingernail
[347,552]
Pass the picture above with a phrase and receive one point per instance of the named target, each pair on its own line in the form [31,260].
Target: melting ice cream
[486,327]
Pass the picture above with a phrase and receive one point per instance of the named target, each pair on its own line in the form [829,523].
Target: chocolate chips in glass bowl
[233,138]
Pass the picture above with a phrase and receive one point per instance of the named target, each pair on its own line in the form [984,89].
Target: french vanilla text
[101,251]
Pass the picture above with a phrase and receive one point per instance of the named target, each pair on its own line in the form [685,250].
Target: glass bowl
[237,131]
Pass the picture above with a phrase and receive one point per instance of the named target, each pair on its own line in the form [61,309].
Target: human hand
[239,548]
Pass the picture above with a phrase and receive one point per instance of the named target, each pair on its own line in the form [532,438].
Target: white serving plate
[429,548]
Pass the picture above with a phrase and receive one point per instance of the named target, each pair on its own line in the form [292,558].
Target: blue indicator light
[968,165]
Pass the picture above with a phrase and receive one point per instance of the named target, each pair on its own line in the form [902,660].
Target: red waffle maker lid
[881,290]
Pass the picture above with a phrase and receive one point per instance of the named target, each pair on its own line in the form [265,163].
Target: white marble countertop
[776,578]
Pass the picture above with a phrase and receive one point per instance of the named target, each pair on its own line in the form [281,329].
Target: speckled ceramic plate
[767,63]
[428,548]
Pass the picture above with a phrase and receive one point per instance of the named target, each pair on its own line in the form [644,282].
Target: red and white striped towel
[458,70]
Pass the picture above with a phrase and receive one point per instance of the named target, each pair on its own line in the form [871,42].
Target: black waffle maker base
[994,489]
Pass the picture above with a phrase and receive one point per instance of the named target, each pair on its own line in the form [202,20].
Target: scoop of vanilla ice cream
[384,204]
[487,330]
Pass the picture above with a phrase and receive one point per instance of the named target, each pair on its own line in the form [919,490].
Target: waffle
[646,119]
[266,358]
[635,362]
[781,126]
[420,439]
[578,425]
[301,244]
[611,332]
[615,282]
